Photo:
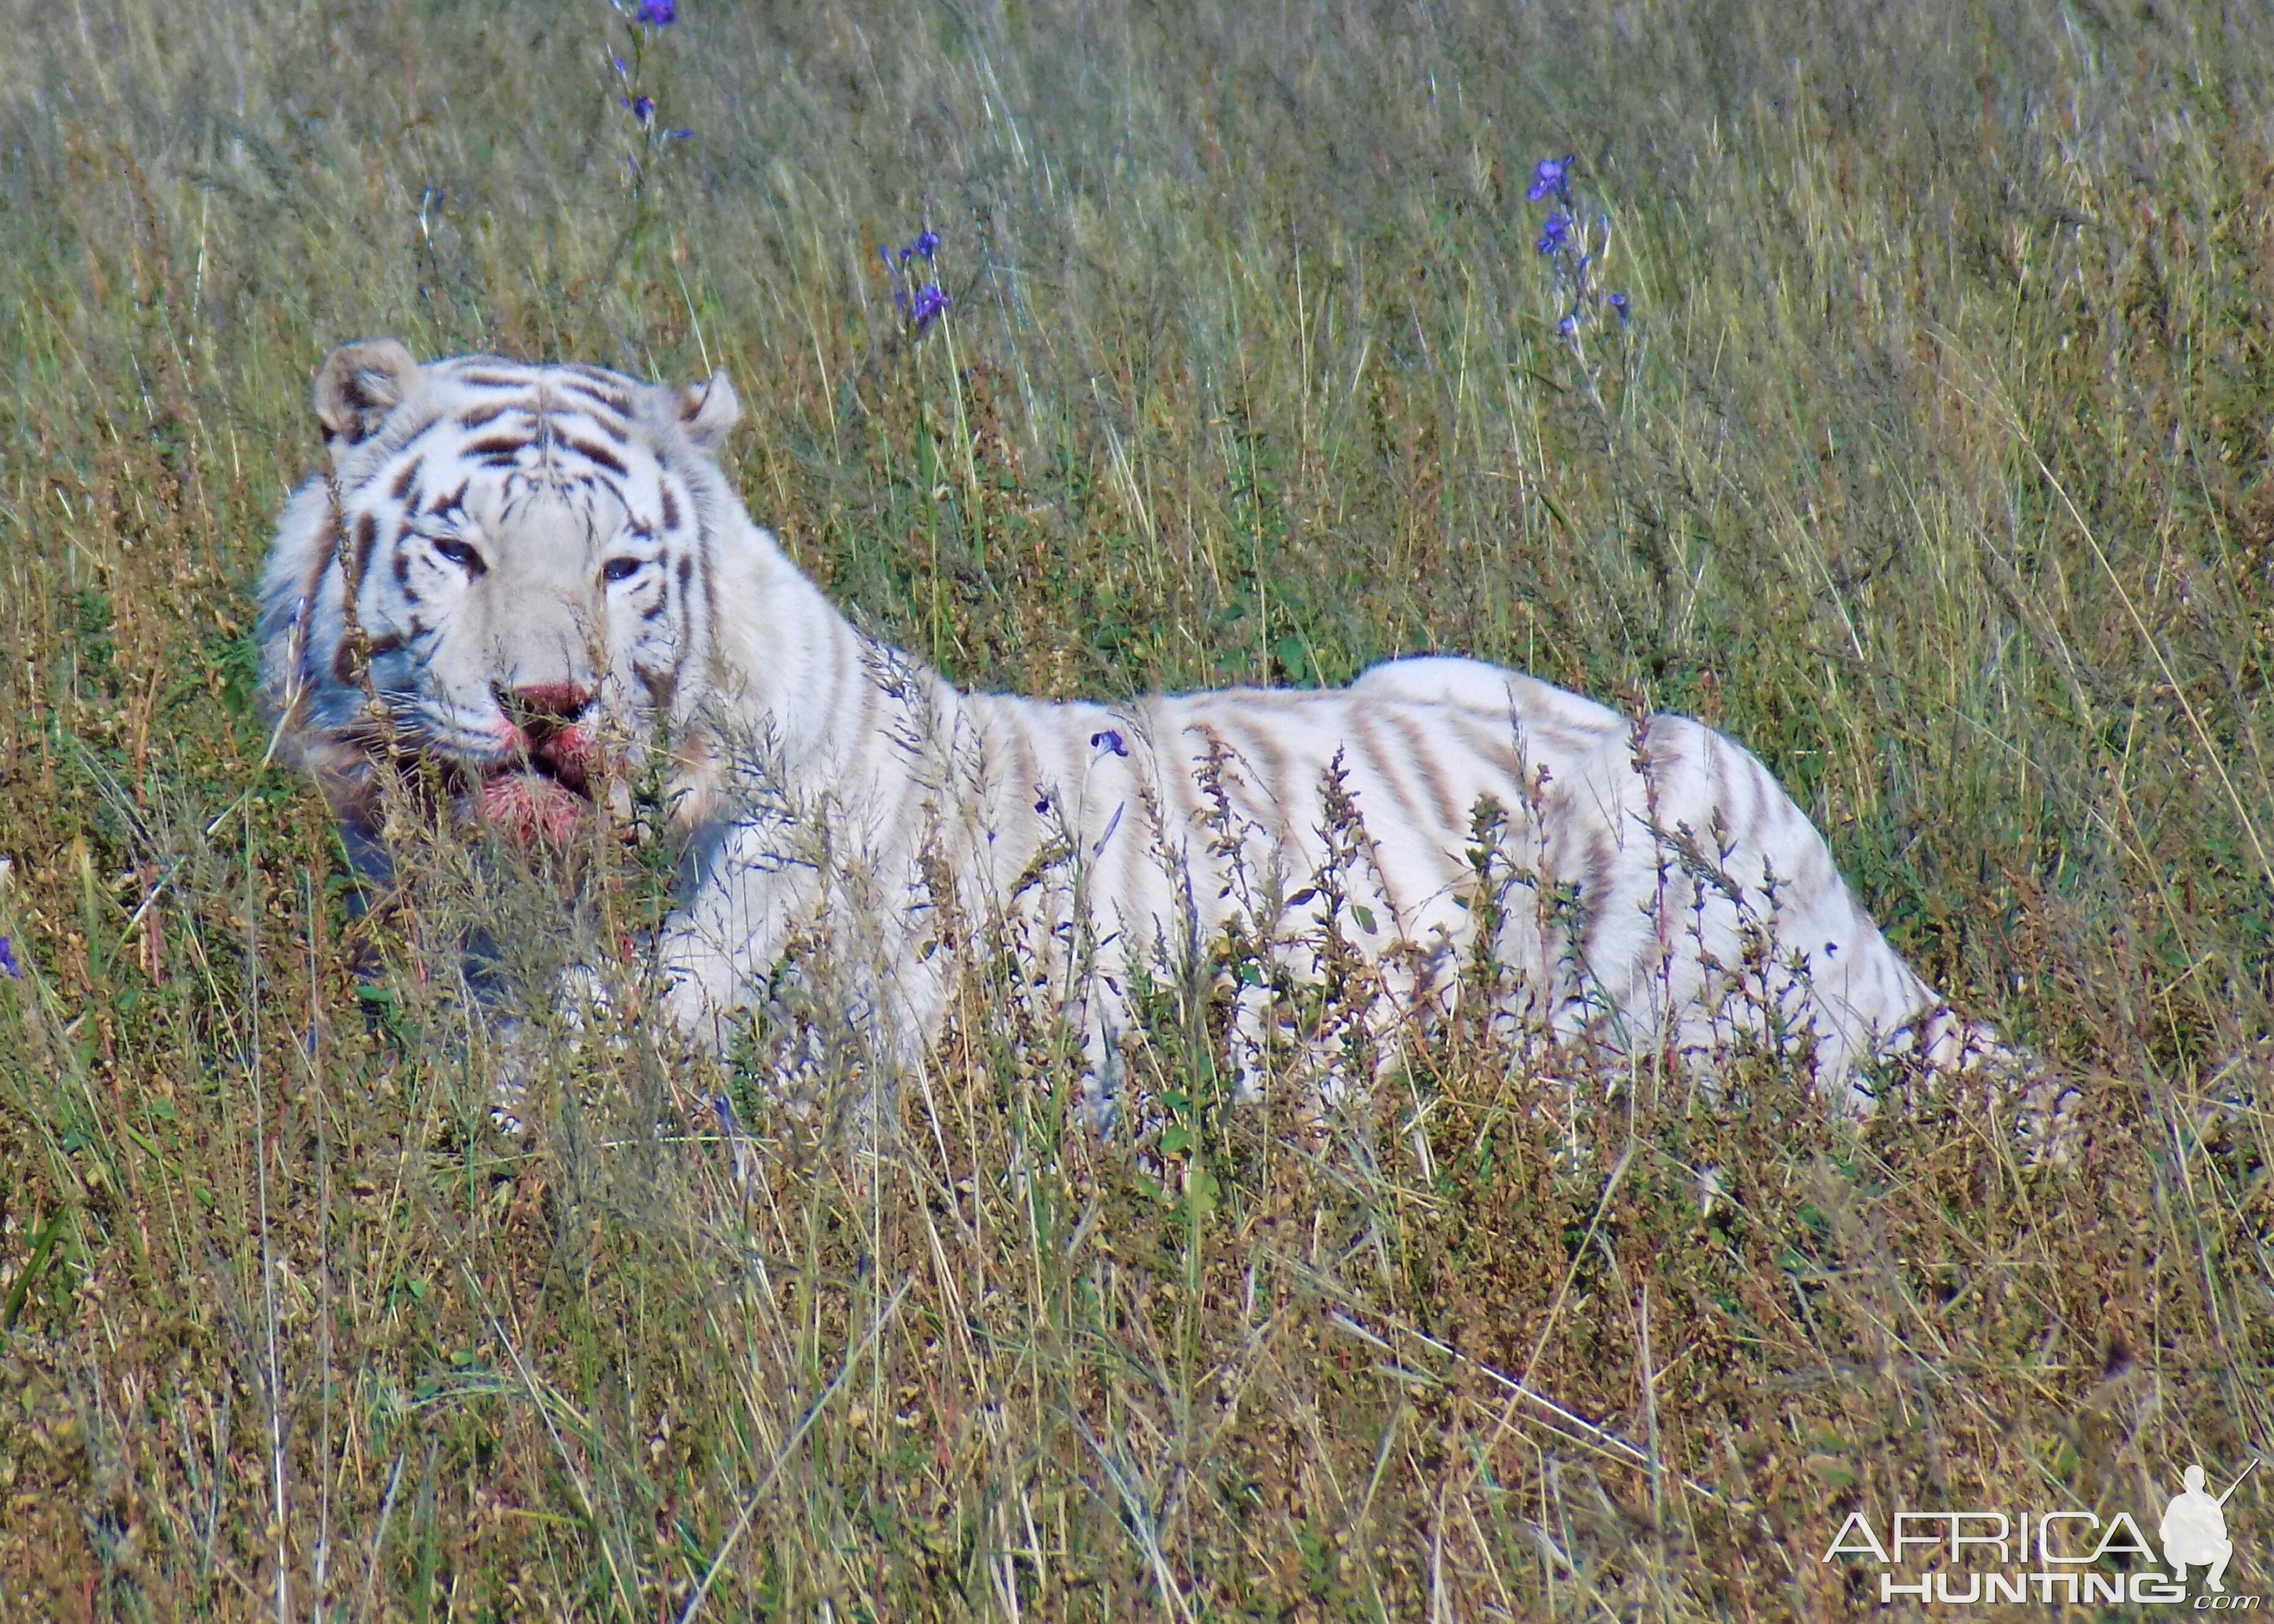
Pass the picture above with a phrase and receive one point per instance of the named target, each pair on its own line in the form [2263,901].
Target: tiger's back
[1648,883]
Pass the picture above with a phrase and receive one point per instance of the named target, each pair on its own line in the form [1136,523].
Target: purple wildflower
[1569,326]
[659,13]
[931,300]
[643,108]
[917,305]
[8,965]
[1550,177]
[1042,805]
[1554,232]
[1618,303]
[1109,739]
[677,135]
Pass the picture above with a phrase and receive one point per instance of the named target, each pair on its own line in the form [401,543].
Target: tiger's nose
[557,704]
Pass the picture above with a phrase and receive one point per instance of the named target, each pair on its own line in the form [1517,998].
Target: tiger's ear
[359,385]
[708,412]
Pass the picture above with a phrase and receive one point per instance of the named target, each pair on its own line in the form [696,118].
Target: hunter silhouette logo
[2193,1529]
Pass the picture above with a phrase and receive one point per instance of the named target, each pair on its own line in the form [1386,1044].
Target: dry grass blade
[788,1445]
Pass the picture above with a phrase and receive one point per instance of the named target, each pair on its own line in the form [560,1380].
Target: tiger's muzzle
[544,787]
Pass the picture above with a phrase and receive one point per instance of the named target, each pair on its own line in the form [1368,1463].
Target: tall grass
[1934,468]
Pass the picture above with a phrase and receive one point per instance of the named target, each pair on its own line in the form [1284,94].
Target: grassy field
[1932,465]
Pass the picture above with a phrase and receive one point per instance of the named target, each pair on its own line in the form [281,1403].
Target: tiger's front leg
[719,951]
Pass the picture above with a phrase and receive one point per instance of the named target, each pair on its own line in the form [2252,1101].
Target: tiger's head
[504,586]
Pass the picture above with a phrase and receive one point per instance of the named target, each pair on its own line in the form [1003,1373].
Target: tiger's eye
[459,553]
[620,569]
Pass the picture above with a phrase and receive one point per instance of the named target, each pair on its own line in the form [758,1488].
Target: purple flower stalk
[1575,239]
[8,965]
[918,304]
[643,108]
[659,13]
[1109,739]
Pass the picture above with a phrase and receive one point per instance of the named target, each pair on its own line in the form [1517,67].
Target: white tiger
[523,580]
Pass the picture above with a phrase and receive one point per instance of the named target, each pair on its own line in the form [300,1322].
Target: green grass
[1935,470]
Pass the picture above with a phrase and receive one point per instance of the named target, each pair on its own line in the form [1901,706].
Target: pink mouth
[533,809]
[550,796]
